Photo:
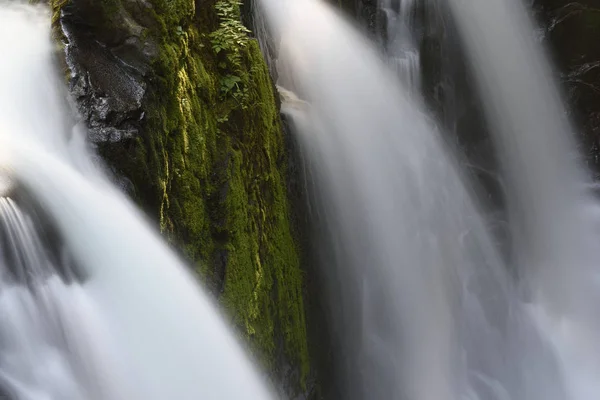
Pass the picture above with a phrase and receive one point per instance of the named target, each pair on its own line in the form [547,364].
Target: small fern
[227,42]
[231,36]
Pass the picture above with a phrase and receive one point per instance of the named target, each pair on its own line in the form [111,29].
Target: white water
[401,45]
[554,221]
[139,326]
[422,305]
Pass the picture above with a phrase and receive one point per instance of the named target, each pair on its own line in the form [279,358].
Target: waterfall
[112,314]
[401,45]
[422,306]
[554,220]
[46,319]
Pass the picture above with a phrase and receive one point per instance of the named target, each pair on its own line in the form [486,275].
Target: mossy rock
[208,164]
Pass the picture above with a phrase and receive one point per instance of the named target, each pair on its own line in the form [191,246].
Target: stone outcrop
[571,31]
[180,105]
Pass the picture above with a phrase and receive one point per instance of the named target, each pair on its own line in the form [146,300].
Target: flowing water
[401,44]
[422,305]
[554,221]
[93,305]
[96,307]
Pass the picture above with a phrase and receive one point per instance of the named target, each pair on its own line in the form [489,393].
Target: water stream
[401,44]
[129,321]
[421,303]
[422,306]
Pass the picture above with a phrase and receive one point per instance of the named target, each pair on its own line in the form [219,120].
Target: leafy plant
[232,35]
[232,85]
[230,82]
[227,42]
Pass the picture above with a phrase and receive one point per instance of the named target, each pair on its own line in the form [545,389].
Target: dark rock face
[206,161]
[572,32]
[108,69]
[366,12]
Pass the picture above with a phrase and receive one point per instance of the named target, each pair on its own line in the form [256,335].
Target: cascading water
[422,305]
[400,45]
[45,320]
[554,220]
[130,322]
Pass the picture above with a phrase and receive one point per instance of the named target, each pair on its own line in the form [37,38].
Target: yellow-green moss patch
[209,165]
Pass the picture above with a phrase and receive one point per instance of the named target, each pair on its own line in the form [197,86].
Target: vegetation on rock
[209,162]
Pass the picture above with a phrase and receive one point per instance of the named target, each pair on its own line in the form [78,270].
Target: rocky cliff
[571,30]
[181,107]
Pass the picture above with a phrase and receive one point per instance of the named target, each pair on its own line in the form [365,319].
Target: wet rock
[206,168]
[571,31]
[108,64]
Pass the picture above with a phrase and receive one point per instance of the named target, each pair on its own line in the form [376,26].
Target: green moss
[174,12]
[263,283]
[210,167]
[55,6]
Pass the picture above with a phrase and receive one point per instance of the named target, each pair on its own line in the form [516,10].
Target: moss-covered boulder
[180,103]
